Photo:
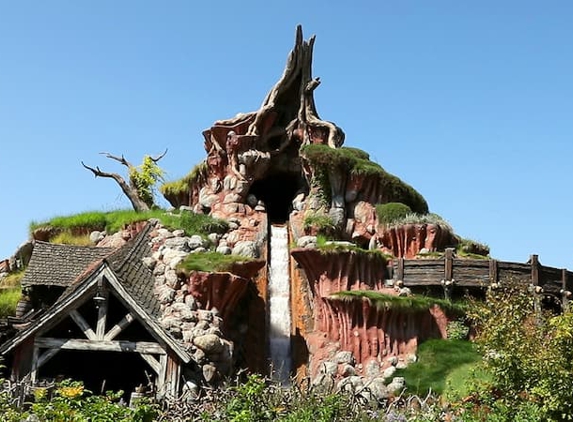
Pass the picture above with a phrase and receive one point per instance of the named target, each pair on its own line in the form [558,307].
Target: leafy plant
[528,353]
[323,224]
[184,184]
[9,300]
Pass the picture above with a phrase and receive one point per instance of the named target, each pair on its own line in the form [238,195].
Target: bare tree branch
[159,157]
[121,159]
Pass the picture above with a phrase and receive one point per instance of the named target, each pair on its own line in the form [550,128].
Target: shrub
[392,211]
[323,224]
[8,301]
[184,184]
[528,353]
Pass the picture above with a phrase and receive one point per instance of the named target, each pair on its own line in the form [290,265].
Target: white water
[279,305]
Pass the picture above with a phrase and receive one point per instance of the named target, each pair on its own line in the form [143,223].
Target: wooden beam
[83,324]
[145,347]
[34,371]
[119,327]
[46,356]
[534,262]
[102,314]
[493,271]
[449,264]
[154,363]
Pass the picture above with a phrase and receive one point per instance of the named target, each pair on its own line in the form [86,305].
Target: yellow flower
[71,392]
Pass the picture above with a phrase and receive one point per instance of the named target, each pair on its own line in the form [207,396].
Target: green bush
[323,224]
[9,300]
[392,211]
[528,353]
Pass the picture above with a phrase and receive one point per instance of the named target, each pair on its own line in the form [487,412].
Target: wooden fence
[472,273]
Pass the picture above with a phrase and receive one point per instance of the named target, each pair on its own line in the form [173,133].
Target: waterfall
[279,305]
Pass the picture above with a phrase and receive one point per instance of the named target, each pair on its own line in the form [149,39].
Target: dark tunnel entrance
[277,192]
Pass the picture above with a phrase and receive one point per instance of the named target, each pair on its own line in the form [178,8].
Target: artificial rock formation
[282,163]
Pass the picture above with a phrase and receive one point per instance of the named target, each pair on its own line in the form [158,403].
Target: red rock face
[408,240]
[217,290]
[356,325]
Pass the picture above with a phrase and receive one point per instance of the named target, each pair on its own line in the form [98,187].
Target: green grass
[184,184]
[113,221]
[210,262]
[8,300]
[322,223]
[404,303]
[357,162]
[415,218]
[441,364]
[67,238]
[13,279]
[391,211]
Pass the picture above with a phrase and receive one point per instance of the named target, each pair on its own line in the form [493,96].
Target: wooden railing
[481,273]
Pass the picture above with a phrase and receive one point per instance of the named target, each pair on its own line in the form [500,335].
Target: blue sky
[469,103]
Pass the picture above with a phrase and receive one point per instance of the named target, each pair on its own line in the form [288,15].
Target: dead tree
[130,188]
[288,112]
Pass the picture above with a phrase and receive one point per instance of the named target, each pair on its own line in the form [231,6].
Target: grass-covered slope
[357,162]
[114,221]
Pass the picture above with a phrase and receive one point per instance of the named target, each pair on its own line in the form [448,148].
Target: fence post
[565,293]
[493,271]
[536,289]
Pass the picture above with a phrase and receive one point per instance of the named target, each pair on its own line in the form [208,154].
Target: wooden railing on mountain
[472,273]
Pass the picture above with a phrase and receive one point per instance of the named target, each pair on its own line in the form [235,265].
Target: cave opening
[277,191]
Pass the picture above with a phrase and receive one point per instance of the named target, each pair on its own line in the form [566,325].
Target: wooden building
[100,322]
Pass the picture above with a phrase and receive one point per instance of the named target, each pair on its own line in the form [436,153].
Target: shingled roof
[137,279]
[60,265]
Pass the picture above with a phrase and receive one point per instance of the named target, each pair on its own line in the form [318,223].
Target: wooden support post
[102,313]
[537,290]
[493,271]
[34,371]
[82,323]
[565,292]
[449,265]
[400,269]
[161,377]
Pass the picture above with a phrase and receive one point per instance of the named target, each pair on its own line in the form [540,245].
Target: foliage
[471,248]
[210,262]
[326,246]
[113,221]
[412,303]
[184,184]
[392,211]
[71,402]
[323,224]
[67,238]
[9,300]
[436,359]
[357,162]
[528,353]
[144,177]
[261,400]
[457,330]
[414,218]
[13,279]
